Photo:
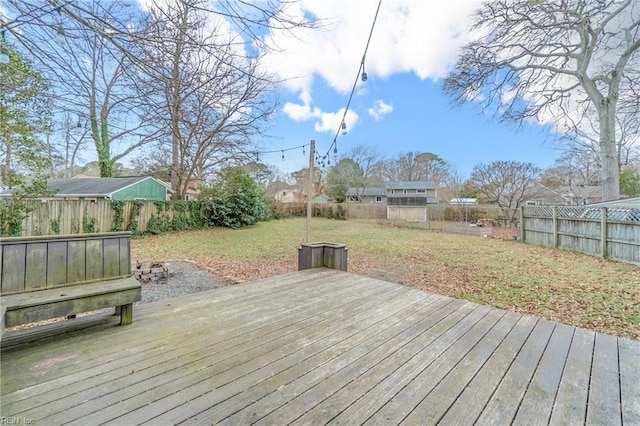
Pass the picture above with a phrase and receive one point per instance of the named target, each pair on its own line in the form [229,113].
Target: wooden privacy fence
[607,232]
[51,217]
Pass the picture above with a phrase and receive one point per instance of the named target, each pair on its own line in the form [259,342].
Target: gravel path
[184,278]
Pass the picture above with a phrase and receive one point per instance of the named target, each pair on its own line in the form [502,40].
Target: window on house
[404,191]
[393,191]
[421,191]
[378,198]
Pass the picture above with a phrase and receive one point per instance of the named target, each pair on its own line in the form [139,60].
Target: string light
[60,35]
[364,74]
[4,52]
[360,75]
[33,16]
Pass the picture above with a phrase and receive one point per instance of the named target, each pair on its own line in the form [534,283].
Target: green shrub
[235,201]
[156,225]
[118,215]
[55,226]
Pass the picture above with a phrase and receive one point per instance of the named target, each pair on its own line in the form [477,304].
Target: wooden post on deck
[322,254]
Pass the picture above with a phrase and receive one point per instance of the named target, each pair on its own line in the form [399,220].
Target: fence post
[603,231]
[555,227]
[522,217]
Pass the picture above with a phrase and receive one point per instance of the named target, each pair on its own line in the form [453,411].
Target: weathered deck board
[604,388]
[316,347]
[471,402]
[571,402]
[630,381]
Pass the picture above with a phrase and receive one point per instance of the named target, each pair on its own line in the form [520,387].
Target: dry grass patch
[558,285]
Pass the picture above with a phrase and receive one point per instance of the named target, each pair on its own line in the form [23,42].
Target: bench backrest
[32,263]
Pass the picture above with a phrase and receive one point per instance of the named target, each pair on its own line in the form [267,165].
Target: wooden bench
[48,277]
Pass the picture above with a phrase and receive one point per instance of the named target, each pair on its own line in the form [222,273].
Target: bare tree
[435,169]
[583,140]
[301,181]
[546,60]
[404,167]
[574,168]
[208,98]
[111,21]
[264,174]
[108,27]
[89,75]
[507,183]
[415,166]
[369,158]
[64,142]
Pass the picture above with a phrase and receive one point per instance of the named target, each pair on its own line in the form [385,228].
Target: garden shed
[127,188]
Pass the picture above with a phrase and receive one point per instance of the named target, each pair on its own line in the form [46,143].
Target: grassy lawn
[557,285]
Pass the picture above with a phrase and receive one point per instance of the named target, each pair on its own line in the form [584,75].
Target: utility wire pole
[312,151]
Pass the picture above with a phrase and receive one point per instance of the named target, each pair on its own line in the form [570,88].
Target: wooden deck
[319,347]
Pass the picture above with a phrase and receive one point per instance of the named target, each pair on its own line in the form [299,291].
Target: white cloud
[302,112]
[325,121]
[330,122]
[379,109]
[420,37]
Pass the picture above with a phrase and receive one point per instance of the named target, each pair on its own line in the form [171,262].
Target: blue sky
[413,46]
[422,120]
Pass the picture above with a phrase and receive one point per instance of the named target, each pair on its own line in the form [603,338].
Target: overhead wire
[359,74]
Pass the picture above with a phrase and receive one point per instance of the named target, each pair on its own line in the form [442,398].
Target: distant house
[287,196]
[463,201]
[409,200]
[114,188]
[367,195]
[191,192]
[632,202]
[405,200]
[321,199]
[575,195]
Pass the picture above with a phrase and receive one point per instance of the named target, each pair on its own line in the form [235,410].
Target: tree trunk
[176,170]
[608,151]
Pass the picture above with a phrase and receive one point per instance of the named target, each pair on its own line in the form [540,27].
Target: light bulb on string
[257,156]
[4,51]
[60,35]
[335,153]
[282,155]
[344,128]
[364,74]
[4,55]
[303,151]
